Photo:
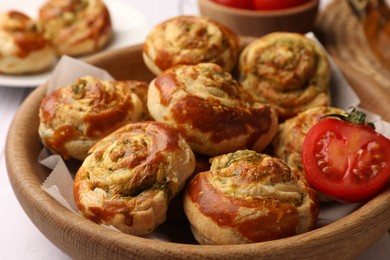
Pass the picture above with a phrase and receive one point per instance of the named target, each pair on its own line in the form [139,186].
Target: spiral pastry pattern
[210,109]
[287,144]
[23,49]
[131,175]
[248,197]
[76,27]
[287,70]
[75,117]
[190,40]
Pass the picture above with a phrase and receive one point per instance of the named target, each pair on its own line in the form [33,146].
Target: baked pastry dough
[248,197]
[287,144]
[286,70]
[210,109]
[131,175]
[23,48]
[76,27]
[175,210]
[190,40]
[75,117]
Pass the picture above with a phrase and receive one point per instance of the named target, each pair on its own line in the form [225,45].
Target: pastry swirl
[190,40]
[131,175]
[75,117]
[287,70]
[23,49]
[287,144]
[248,197]
[76,27]
[210,109]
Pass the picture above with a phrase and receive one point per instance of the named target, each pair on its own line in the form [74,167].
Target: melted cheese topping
[248,174]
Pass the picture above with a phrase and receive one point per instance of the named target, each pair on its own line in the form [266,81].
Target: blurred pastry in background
[23,49]
[131,176]
[210,109]
[287,70]
[190,40]
[76,27]
[73,118]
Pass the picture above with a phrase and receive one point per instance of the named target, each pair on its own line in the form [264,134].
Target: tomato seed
[375,168]
[321,163]
[358,173]
[373,146]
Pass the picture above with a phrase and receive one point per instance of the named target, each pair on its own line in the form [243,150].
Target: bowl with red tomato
[259,17]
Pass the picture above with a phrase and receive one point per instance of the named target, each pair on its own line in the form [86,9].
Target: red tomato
[346,161]
[243,4]
[276,4]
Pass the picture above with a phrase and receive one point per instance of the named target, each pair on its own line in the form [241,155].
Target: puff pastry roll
[190,40]
[287,70]
[75,117]
[76,27]
[23,49]
[248,197]
[131,175]
[287,144]
[210,109]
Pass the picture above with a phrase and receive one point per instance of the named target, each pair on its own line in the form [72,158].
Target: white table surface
[19,238]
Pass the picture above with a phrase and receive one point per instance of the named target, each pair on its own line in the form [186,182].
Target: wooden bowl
[83,239]
[258,23]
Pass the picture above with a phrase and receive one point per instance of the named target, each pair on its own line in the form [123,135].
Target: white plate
[130,27]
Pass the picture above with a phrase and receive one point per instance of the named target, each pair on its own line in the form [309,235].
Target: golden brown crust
[23,49]
[75,117]
[131,175]
[190,40]
[248,197]
[210,109]
[76,27]
[287,144]
[286,70]
[175,210]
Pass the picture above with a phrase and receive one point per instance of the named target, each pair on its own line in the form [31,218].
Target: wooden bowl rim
[312,4]
[72,233]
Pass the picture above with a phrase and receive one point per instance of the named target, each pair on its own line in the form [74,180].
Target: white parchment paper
[59,183]
[69,69]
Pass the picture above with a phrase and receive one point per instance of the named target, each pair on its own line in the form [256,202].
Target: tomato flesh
[348,162]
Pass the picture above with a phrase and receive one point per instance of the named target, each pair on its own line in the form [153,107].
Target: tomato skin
[243,4]
[261,4]
[350,163]
[276,4]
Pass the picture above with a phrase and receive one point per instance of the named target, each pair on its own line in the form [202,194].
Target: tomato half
[243,4]
[276,4]
[345,161]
